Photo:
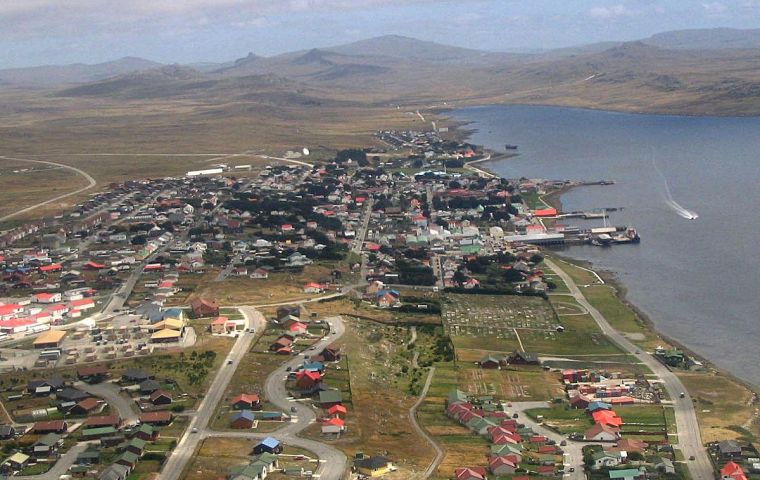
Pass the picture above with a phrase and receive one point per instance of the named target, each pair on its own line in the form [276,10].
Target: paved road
[189,441]
[689,437]
[61,466]
[90,183]
[439,453]
[333,462]
[573,450]
[108,391]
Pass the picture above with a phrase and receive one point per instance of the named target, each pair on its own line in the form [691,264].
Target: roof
[166,333]
[373,463]
[627,473]
[330,396]
[244,415]
[18,457]
[114,472]
[50,336]
[270,442]
[159,416]
[336,409]
[245,397]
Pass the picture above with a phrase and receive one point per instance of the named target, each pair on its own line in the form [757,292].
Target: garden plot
[496,316]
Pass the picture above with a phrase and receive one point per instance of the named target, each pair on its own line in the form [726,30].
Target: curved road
[689,437]
[333,462]
[111,394]
[193,435]
[91,183]
[439,453]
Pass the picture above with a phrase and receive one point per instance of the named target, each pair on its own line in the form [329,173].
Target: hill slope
[53,75]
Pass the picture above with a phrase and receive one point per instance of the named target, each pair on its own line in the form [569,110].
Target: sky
[38,32]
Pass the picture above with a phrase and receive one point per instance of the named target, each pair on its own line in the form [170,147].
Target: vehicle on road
[682,395]
[229,362]
[194,430]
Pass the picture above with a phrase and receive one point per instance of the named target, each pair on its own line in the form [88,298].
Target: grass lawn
[376,373]
[279,287]
[513,384]
[723,406]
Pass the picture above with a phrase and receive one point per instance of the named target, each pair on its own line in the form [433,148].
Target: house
[373,466]
[161,417]
[71,395]
[260,273]
[47,446]
[99,432]
[17,461]
[160,397]
[665,465]
[149,386]
[308,382]
[519,357]
[88,457]
[333,425]
[312,287]
[268,445]
[219,325]
[282,345]
[45,387]
[732,471]
[7,432]
[328,398]
[204,307]
[501,466]
[546,470]
[605,459]
[135,445]
[85,407]
[134,375]
[51,426]
[244,419]
[102,421]
[49,339]
[607,417]
[627,474]
[470,473]
[92,374]
[246,401]
[594,406]
[337,410]
[146,432]
[128,459]
[47,298]
[579,401]
[330,353]
[602,433]
[630,445]
[115,472]
[491,362]
[729,449]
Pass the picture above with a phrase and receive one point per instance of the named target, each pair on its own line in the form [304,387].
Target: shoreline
[621,293]
[554,199]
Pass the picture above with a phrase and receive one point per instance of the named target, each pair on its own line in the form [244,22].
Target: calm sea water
[698,280]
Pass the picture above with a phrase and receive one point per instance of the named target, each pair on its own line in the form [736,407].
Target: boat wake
[681,211]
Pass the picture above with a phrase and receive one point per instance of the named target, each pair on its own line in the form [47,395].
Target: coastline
[554,199]
[611,278]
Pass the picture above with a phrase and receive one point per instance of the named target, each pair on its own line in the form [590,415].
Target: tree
[353,154]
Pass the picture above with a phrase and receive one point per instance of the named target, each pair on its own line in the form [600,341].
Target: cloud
[41,18]
[714,8]
[610,12]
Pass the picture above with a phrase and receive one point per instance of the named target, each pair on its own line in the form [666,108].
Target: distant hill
[157,82]
[706,39]
[53,75]
[411,49]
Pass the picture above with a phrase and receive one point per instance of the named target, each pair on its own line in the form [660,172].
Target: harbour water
[698,278]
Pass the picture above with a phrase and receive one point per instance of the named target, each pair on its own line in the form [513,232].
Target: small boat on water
[509,146]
